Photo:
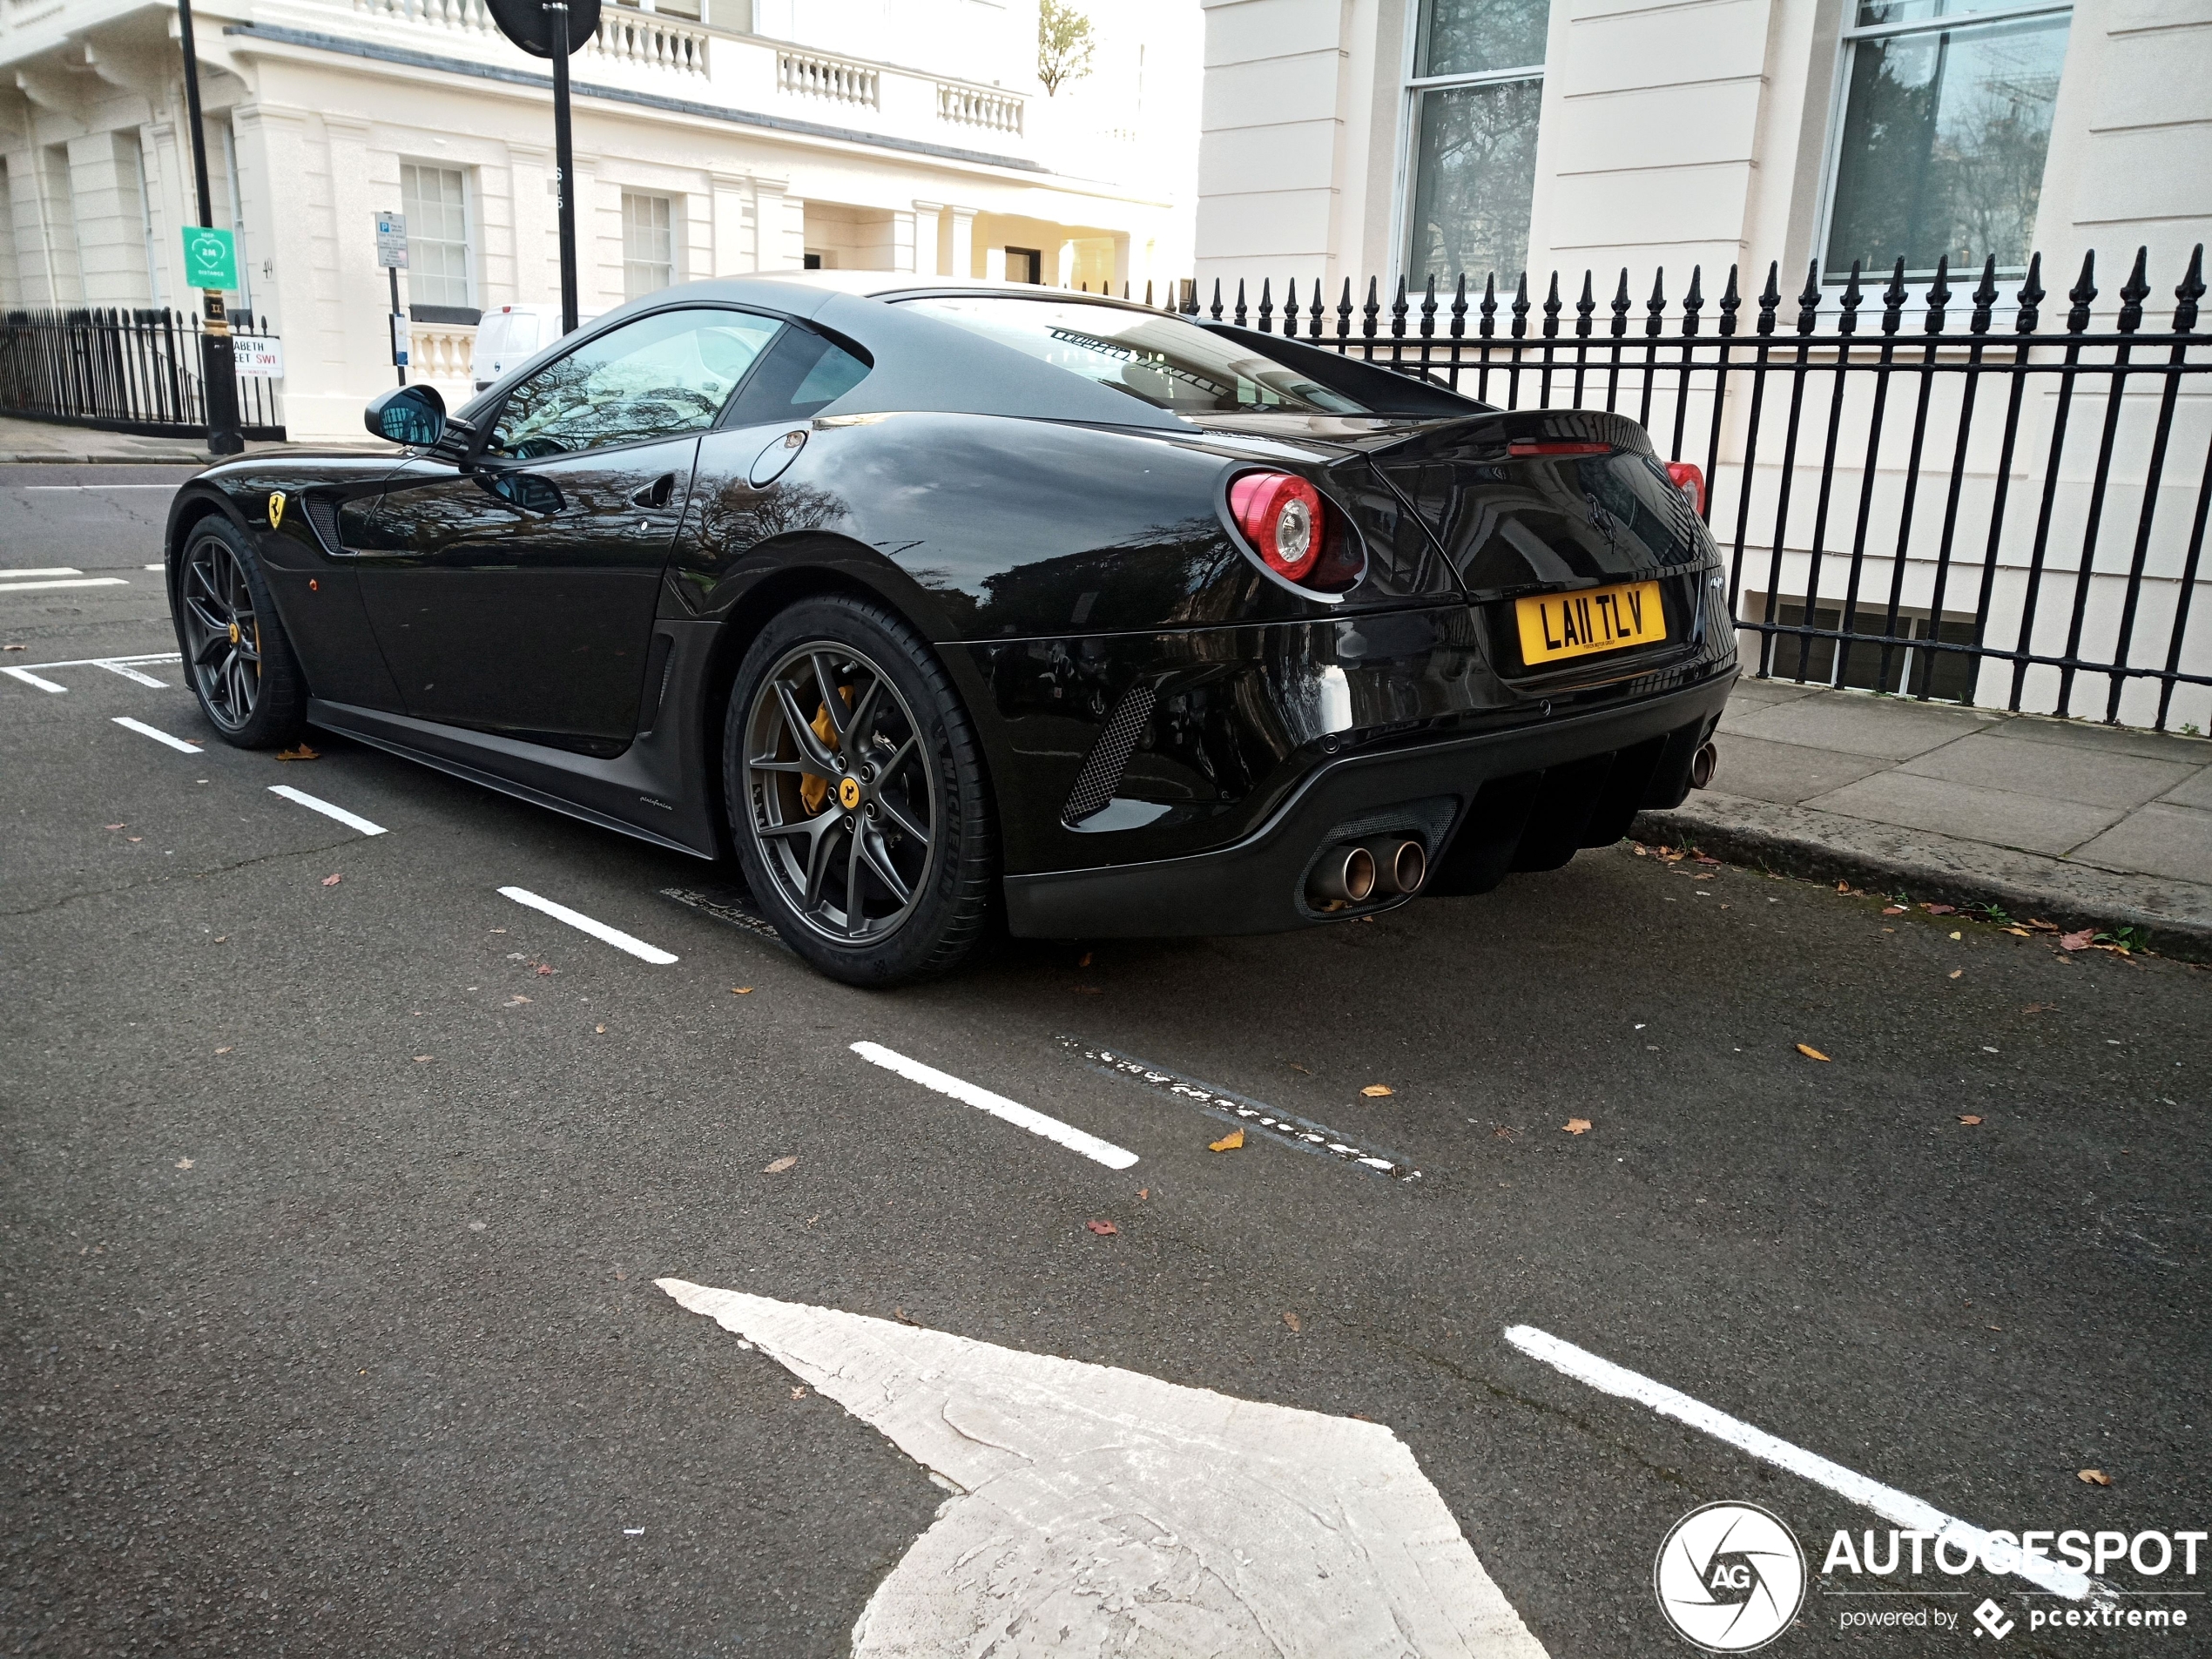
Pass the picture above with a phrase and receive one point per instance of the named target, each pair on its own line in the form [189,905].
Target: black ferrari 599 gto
[933,602]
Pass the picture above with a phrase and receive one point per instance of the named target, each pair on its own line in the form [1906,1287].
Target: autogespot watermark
[1730,1578]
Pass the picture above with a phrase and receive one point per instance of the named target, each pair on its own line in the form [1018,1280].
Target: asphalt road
[333,1208]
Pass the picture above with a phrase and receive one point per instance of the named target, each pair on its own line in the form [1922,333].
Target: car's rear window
[1162,359]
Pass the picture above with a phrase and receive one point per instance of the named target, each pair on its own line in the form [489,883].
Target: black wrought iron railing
[1921,492]
[136,371]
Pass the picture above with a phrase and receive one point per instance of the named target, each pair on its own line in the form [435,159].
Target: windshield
[1163,361]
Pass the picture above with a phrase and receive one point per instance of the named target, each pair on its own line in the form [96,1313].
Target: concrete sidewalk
[2074,823]
[42,441]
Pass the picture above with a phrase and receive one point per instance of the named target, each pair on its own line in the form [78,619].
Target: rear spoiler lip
[1496,431]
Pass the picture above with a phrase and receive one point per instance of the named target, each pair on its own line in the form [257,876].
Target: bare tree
[1064,45]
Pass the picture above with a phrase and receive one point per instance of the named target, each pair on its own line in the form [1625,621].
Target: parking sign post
[391,253]
[211,265]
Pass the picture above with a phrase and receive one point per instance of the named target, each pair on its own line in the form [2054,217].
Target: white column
[275,175]
[962,260]
[927,259]
[111,248]
[780,221]
[729,211]
[536,228]
[168,175]
[1066,276]
[337,357]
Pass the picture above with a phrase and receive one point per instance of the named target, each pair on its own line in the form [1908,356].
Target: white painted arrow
[1098,1511]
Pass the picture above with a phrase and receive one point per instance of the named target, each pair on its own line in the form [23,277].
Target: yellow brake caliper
[813,791]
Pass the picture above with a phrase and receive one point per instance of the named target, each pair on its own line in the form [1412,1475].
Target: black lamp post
[217,364]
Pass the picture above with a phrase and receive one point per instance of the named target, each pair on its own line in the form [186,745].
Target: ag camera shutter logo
[1730,1577]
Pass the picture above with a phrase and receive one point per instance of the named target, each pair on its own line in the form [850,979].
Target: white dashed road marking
[1096,1510]
[156,733]
[1067,1135]
[7,587]
[327,809]
[599,930]
[132,674]
[31,679]
[1886,1501]
[50,570]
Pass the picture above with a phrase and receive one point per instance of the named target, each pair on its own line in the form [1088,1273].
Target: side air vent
[1102,768]
[322,513]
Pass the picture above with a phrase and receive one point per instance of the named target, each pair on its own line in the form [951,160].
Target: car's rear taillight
[1685,476]
[1541,449]
[1283,518]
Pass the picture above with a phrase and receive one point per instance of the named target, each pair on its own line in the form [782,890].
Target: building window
[1947,119]
[1025,265]
[439,267]
[648,245]
[1472,108]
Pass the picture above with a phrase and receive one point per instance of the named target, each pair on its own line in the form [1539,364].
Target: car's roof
[920,362]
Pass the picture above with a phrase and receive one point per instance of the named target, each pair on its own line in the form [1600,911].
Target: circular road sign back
[527,24]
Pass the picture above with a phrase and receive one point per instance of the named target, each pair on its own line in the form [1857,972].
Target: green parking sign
[210,258]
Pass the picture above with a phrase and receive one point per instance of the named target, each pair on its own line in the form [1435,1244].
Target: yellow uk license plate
[1557,626]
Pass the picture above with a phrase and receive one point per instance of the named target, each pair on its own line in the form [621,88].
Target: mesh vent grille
[322,513]
[1102,768]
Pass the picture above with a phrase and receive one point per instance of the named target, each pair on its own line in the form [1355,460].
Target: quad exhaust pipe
[1355,872]
[1702,765]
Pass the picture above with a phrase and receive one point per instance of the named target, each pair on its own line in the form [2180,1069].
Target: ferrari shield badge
[276,508]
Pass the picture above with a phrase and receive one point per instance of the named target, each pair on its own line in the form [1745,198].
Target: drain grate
[1301,1133]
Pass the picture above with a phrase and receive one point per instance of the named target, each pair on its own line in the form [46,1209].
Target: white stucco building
[712,136]
[1350,138]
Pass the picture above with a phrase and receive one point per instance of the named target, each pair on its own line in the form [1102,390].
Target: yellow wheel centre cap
[233,633]
[848,793]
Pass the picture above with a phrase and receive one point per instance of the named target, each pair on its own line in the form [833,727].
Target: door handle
[657,493]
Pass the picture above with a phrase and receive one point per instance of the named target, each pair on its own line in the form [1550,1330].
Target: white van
[511,335]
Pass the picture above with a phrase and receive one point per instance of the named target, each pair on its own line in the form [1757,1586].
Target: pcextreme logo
[1730,1577]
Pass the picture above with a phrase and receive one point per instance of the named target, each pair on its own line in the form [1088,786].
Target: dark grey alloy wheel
[222,627]
[235,648]
[845,805]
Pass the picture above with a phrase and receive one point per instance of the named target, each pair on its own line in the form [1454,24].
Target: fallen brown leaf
[1958,973]
[779,1166]
[515,1000]
[1103,1229]
[184,1164]
[302,753]
[741,990]
[1893,910]
[1576,1126]
[1810,1052]
[1706,857]
[112,827]
[222,1051]
[2041,926]
[1970,1120]
[2019,933]
[422,1058]
[799,1394]
[1940,909]
[1291,1320]
[1086,961]
[2077,941]
[1143,1193]
[2041,1007]
[598,1030]
[332,880]
[2092,1477]
[544,968]
[137,838]
[1501,1133]
[1228,1143]
[1376,1091]
[903,1319]
[17,647]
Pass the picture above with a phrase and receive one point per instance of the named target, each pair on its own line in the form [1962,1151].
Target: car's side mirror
[414,415]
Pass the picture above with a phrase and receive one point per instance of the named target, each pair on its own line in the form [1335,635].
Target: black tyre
[858,800]
[237,657]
